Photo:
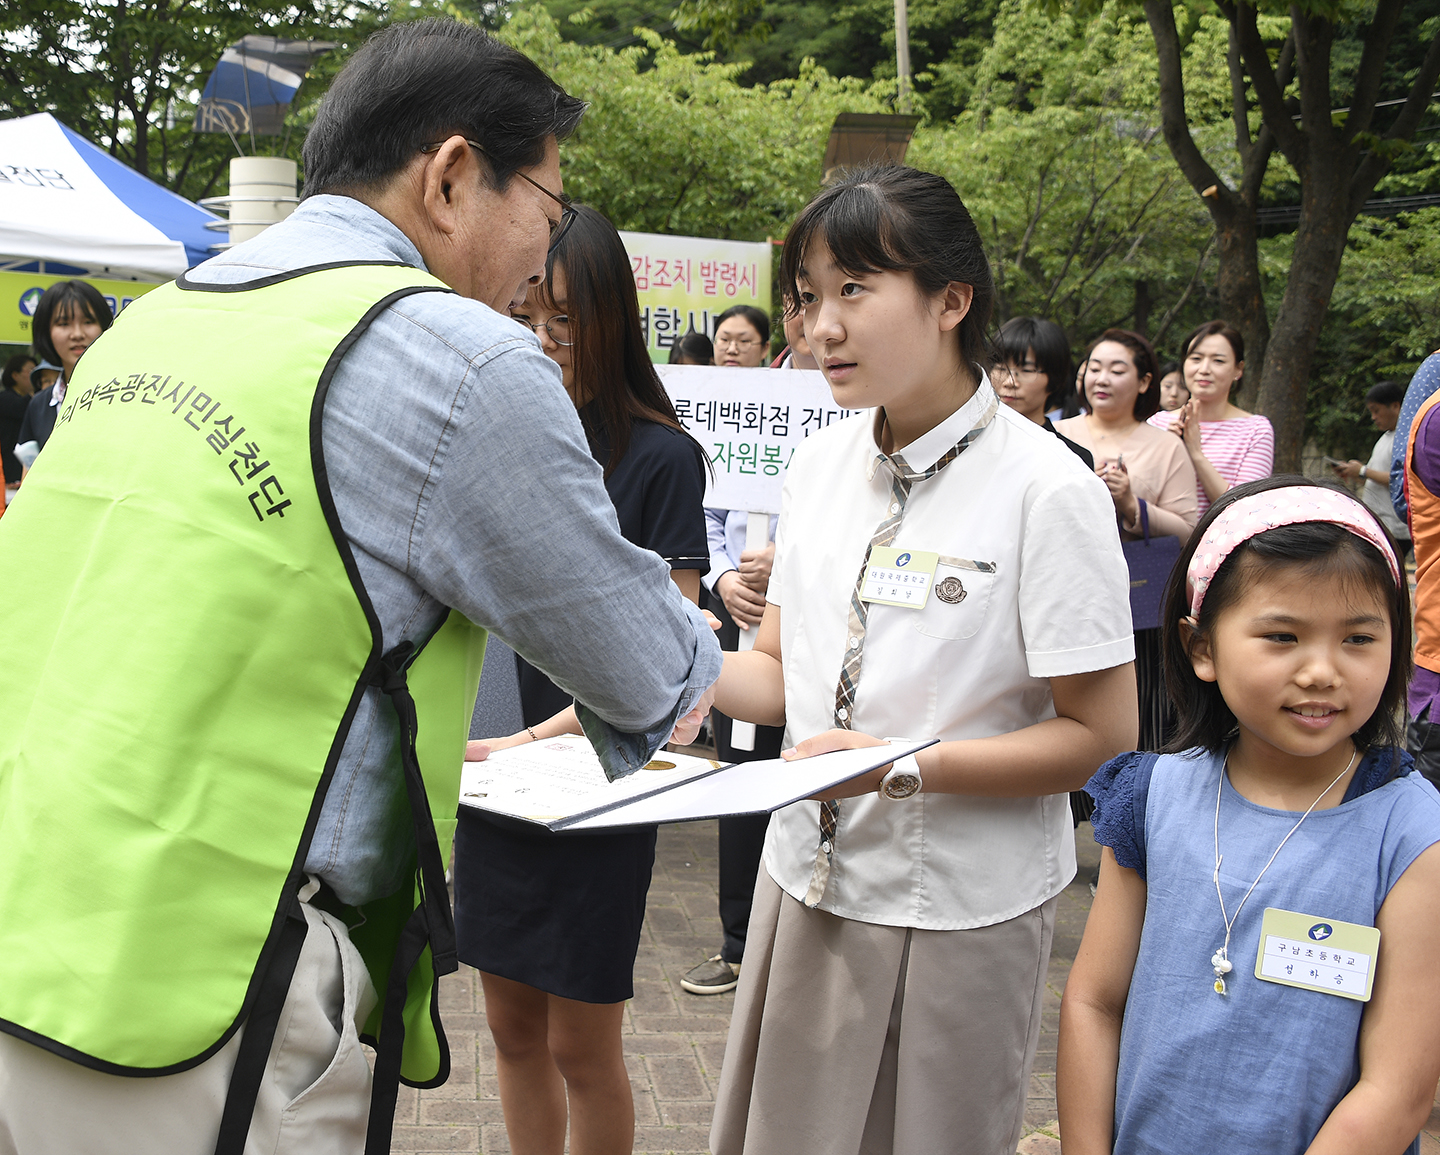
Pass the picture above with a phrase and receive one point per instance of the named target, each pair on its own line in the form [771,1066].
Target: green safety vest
[190,640]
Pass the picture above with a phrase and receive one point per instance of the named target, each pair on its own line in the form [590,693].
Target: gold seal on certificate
[559,783]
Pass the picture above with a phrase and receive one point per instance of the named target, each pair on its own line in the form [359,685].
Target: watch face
[897,786]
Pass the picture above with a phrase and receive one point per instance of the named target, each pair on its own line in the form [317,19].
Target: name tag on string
[899,577]
[1317,954]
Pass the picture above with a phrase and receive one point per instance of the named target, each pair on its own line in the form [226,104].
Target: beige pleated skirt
[850,1038]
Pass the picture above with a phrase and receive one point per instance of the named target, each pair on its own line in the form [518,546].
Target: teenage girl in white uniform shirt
[895,966]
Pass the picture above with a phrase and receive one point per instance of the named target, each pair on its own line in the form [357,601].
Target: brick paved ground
[674,1041]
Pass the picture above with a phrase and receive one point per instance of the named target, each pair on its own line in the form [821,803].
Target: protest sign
[20,294]
[750,422]
[684,283]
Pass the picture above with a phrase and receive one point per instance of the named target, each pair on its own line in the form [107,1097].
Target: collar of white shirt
[929,447]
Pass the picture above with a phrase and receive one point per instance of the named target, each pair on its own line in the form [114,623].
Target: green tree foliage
[127,74]
[1283,101]
[776,37]
[1384,320]
[1047,123]
[1084,216]
[673,144]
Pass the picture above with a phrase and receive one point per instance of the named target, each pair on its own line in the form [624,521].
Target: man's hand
[841,740]
[746,605]
[1350,469]
[688,728]
[755,567]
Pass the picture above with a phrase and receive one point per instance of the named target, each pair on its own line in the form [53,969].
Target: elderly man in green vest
[285,499]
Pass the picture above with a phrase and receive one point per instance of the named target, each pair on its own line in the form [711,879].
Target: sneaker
[714,976]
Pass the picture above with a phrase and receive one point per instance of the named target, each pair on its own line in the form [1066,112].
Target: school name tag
[899,577]
[1317,954]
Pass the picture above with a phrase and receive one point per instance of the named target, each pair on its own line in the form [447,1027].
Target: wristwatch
[901,781]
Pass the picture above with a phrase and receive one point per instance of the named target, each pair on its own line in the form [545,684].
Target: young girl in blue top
[1198,1017]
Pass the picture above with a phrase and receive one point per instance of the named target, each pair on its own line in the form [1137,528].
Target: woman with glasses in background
[553,923]
[1033,374]
[742,337]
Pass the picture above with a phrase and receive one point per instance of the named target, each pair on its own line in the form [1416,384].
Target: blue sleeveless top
[1261,1067]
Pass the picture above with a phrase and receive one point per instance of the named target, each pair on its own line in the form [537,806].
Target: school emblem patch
[951,591]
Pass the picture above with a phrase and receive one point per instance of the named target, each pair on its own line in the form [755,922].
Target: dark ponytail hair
[890,218]
[697,346]
[1313,548]
[608,357]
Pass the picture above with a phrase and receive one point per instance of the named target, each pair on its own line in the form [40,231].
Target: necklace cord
[1228,920]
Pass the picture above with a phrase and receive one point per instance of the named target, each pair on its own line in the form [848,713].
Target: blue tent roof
[172,214]
[253,84]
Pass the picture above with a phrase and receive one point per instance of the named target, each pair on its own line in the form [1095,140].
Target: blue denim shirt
[463,479]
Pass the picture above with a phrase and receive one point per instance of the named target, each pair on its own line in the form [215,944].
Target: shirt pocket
[959,599]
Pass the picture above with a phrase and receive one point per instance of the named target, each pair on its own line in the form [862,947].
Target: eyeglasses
[567,211]
[557,327]
[741,343]
[1014,371]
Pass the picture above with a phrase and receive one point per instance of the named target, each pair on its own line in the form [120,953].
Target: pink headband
[1275,507]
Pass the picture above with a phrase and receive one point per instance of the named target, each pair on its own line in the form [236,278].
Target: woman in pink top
[1226,444]
[1137,462]
[1142,468]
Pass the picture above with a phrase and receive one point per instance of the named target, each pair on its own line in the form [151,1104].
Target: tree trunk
[1319,248]
[1242,299]
[1339,164]
[1142,307]
[1238,282]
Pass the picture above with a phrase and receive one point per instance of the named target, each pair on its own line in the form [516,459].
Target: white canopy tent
[64,200]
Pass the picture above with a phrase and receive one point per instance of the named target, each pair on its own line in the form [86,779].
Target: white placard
[750,422]
[560,784]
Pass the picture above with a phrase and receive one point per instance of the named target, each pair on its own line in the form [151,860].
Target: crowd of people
[250,702]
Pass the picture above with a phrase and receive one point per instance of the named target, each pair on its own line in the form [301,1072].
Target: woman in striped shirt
[1226,444]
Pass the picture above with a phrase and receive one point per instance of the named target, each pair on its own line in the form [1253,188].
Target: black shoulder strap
[432,922]
[259,1033]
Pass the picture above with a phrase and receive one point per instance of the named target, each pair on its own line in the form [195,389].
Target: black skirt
[558,912]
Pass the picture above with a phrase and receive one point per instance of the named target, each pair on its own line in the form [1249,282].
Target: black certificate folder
[560,785]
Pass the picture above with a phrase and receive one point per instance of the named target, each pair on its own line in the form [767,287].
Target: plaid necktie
[902,480]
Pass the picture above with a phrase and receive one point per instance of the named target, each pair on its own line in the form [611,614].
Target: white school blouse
[1053,601]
